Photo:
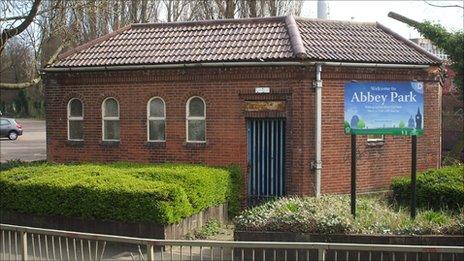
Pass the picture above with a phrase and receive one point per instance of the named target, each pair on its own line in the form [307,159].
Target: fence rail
[27,243]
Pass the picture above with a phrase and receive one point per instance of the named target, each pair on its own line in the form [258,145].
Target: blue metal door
[266,159]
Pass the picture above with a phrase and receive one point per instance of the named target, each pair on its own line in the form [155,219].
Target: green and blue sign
[387,108]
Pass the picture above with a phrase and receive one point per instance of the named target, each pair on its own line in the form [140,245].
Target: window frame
[382,139]
[112,118]
[74,118]
[8,122]
[187,118]
[149,118]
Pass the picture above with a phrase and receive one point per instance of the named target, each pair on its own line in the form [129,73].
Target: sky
[372,11]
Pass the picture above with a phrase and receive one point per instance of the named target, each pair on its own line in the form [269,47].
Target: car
[10,128]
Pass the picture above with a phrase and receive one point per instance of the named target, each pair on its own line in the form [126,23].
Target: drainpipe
[321,9]
[317,165]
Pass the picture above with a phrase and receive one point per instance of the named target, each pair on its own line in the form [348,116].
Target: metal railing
[27,243]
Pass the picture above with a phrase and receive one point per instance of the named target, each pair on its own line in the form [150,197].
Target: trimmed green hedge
[436,189]
[163,193]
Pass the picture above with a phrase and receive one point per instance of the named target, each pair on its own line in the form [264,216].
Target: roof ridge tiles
[211,22]
[295,37]
[332,21]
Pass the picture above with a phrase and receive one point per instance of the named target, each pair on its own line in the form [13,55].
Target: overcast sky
[371,11]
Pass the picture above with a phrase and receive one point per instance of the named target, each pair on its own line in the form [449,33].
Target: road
[28,147]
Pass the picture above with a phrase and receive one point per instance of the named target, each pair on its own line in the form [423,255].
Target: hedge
[164,193]
[436,189]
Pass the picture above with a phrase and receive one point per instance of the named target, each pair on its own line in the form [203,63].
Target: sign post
[384,108]
[413,175]
[353,175]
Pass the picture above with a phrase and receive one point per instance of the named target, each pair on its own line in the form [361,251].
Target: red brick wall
[376,164]
[225,90]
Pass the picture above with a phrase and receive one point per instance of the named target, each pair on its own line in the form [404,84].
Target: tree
[361,124]
[7,34]
[402,124]
[346,127]
[450,42]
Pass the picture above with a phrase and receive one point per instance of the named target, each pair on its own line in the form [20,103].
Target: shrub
[163,193]
[211,228]
[16,163]
[436,189]
[331,215]
[235,197]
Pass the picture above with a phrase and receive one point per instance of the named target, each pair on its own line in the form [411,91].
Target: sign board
[265,106]
[384,108]
[262,90]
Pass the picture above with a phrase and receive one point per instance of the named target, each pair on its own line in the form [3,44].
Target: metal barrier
[27,243]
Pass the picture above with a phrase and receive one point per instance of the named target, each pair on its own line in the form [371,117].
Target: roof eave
[411,44]
[295,62]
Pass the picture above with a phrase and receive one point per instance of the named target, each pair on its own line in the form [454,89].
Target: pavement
[30,146]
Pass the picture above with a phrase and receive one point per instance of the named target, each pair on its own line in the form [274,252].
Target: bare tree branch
[9,33]
[34,81]
[20,17]
[435,5]
[23,85]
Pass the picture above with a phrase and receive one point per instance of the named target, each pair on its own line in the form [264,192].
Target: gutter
[168,66]
[231,64]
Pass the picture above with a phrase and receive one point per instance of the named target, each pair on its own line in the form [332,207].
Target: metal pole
[413,175]
[353,175]
[321,9]
[321,254]
[24,245]
[151,252]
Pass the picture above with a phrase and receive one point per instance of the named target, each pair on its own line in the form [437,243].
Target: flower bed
[331,215]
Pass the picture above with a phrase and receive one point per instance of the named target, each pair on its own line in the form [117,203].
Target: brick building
[242,91]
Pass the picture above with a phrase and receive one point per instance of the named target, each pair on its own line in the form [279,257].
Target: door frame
[270,138]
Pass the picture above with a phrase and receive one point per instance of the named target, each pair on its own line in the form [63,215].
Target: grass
[387,131]
[211,228]
[331,215]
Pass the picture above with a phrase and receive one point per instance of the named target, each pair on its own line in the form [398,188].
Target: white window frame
[74,118]
[110,119]
[187,118]
[149,118]
[382,139]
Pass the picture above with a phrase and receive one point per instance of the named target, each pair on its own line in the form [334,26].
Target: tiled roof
[258,39]
[359,42]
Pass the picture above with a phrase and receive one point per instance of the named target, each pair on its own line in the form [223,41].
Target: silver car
[10,128]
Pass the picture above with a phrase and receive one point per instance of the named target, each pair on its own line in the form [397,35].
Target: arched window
[75,119]
[196,120]
[156,119]
[110,119]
